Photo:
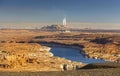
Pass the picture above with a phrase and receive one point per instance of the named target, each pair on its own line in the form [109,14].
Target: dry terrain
[95,45]
[20,51]
[30,57]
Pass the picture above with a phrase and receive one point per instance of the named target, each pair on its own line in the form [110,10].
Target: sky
[87,11]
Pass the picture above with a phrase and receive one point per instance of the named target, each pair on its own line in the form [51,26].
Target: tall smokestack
[64,21]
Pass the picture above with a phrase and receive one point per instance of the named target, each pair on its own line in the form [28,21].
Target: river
[72,54]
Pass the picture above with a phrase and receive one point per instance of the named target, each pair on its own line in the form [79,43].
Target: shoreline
[51,44]
[33,57]
[81,50]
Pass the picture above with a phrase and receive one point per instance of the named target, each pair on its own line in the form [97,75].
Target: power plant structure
[65,24]
[64,21]
[55,27]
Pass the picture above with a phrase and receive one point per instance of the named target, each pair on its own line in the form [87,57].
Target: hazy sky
[105,11]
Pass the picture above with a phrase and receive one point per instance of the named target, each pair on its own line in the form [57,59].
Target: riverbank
[32,57]
[70,52]
[55,44]
[87,51]
[97,46]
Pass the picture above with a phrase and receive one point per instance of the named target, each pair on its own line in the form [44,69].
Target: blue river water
[72,54]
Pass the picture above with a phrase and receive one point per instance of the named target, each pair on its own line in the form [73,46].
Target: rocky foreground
[32,57]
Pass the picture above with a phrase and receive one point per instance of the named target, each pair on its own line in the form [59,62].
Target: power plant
[64,21]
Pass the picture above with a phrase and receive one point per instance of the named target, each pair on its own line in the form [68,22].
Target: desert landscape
[95,45]
[21,50]
[59,37]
